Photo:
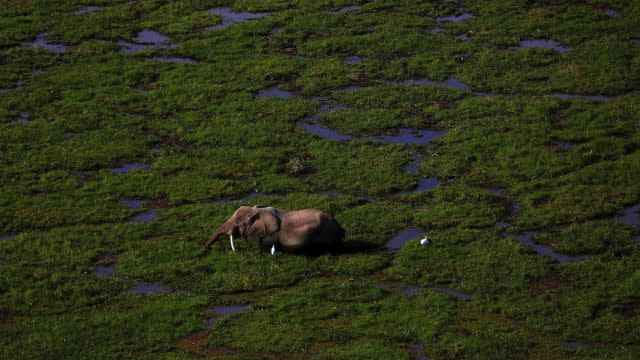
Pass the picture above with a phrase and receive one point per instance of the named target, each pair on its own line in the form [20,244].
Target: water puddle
[457,294]
[546,44]
[565,146]
[325,133]
[41,42]
[452,82]
[631,216]
[147,39]
[24,118]
[223,311]
[353,88]
[325,108]
[565,96]
[68,134]
[147,288]
[498,192]
[411,290]
[131,203]
[516,209]
[436,30]
[251,196]
[347,9]
[86,10]
[502,224]
[417,349]
[425,185]
[574,345]
[612,13]
[105,271]
[409,234]
[455,18]
[147,36]
[19,85]
[328,193]
[398,287]
[353,60]
[276,93]
[141,90]
[525,239]
[464,38]
[174,60]
[145,217]
[411,137]
[230,309]
[230,17]
[126,168]
[405,137]
[8,237]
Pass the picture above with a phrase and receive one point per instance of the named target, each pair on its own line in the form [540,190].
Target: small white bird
[424,241]
[273,249]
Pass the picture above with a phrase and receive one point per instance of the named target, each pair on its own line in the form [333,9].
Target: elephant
[300,230]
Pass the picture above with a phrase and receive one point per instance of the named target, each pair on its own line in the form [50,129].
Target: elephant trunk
[216,234]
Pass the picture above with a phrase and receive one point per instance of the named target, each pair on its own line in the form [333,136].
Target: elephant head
[253,223]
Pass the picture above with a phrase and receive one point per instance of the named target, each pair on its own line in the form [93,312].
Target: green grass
[205,136]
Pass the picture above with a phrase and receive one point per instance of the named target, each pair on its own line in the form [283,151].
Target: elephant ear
[263,224]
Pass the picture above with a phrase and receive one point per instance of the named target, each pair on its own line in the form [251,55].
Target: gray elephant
[307,229]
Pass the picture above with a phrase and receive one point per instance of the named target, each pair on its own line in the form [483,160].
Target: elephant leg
[231,239]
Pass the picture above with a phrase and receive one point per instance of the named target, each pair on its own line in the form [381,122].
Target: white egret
[424,241]
[273,249]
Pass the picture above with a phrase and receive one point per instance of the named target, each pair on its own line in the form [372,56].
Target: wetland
[508,132]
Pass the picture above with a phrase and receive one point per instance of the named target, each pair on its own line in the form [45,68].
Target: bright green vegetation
[206,137]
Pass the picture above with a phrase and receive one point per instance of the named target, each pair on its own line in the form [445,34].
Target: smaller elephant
[288,230]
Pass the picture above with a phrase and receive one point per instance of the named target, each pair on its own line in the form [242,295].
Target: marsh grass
[204,135]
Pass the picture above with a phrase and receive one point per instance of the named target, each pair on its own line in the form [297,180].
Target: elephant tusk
[231,238]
